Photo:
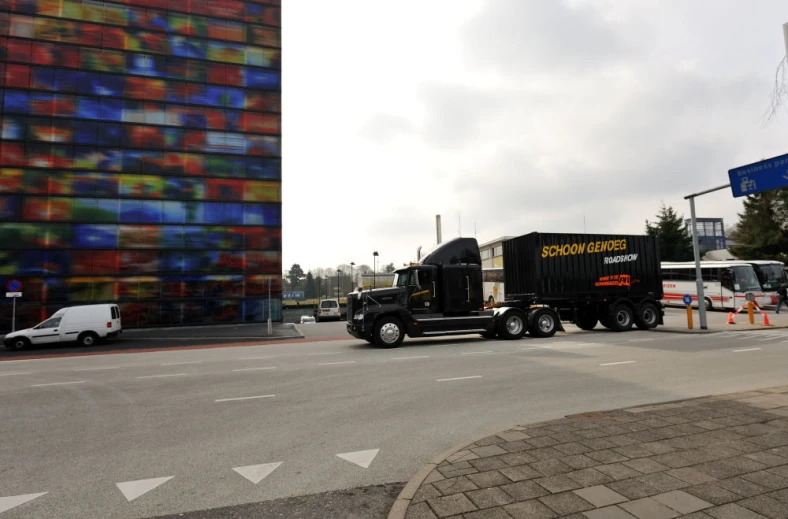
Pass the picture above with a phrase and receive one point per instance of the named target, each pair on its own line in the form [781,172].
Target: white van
[83,324]
[328,309]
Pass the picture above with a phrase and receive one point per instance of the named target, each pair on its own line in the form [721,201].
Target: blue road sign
[14,286]
[762,176]
[687,299]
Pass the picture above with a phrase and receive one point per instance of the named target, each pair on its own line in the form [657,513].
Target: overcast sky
[512,116]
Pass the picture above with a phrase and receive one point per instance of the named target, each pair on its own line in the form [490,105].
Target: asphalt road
[157,433]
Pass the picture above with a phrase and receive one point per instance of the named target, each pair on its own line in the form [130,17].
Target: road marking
[748,349]
[243,398]
[13,374]
[7,503]
[477,352]
[416,357]
[254,358]
[133,489]
[257,473]
[95,369]
[255,369]
[324,353]
[335,363]
[641,340]
[457,378]
[617,363]
[361,458]
[536,348]
[768,339]
[182,363]
[59,383]
[163,376]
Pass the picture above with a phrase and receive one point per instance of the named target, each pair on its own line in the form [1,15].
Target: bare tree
[780,90]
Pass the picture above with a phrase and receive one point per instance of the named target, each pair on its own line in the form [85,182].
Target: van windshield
[328,304]
[50,323]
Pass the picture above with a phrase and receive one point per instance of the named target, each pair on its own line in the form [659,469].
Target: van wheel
[622,317]
[87,339]
[389,332]
[20,343]
[647,316]
[544,323]
[512,326]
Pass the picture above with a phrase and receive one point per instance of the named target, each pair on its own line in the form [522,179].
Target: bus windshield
[745,279]
[770,276]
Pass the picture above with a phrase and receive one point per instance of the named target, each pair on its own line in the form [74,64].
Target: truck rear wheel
[586,320]
[544,323]
[388,332]
[621,317]
[512,325]
[647,316]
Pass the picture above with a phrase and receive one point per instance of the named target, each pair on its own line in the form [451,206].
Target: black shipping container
[551,266]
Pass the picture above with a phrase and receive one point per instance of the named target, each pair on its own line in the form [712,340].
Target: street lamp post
[374,269]
[339,291]
[352,282]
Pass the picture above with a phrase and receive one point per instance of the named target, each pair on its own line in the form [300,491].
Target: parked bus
[771,274]
[493,285]
[725,284]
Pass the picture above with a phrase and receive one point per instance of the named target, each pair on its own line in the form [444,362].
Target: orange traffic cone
[766,320]
[730,318]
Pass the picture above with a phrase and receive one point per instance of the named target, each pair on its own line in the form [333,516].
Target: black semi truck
[585,279]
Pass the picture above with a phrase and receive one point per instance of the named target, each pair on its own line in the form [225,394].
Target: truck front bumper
[356,331]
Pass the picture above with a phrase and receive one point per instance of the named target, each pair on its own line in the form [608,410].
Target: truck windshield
[745,279]
[401,278]
[770,276]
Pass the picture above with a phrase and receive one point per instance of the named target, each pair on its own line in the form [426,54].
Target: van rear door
[116,324]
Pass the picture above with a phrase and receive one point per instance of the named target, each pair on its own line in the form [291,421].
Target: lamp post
[374,269]
[339,291]
[352,283]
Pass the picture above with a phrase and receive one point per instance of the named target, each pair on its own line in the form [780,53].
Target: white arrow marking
[360,458]
[7,503]
[134,489]
[257,473]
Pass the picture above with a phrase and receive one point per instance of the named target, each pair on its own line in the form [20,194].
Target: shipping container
[581,267]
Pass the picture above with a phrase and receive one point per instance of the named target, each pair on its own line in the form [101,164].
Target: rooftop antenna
[459,225]
[584,223]
[438,227]
[474,228]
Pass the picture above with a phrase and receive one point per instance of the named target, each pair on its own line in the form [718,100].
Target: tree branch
[779,91]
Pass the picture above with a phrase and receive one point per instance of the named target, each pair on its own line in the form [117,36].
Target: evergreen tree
[295,276]
[675,241]
[310,292]
[388,269]
[762,228]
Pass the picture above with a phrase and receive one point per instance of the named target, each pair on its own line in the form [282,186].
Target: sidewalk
[723,457]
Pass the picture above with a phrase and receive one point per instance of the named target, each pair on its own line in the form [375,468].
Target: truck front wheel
[512,325]
[544,323]
[388,332]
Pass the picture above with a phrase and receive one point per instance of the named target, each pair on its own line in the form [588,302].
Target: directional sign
[687,299]
[13,286]
[762,176]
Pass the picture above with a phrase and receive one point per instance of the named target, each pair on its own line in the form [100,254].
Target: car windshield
[770,276]
[745,279]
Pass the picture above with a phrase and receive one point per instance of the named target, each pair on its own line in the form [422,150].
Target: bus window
[744,279]
[726,279]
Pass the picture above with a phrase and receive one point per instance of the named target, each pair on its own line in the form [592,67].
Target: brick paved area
[715,457]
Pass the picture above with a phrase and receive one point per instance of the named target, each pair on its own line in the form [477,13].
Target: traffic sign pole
[13,316]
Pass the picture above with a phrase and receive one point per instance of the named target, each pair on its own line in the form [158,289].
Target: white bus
[493,285]
[725,283]
[771,274]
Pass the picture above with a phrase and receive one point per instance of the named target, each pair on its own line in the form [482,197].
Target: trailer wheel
[586,320]
[388,332]
[647,316]
[544,323]
[512,326]
[622,317]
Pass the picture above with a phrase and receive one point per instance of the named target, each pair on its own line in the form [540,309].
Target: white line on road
[416,357]
[768,339]
[162,376]
[536,348]
[243,398]
[617,363]
[324,353]
[96,369]
[457,378]
[641,340]
[335,363]
[255,369]
[477,352]
[748,349]
[254,358]
[59,383]
[182,363]
[13,374]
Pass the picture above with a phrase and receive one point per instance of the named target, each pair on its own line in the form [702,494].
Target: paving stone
[566,503]
[453,473]
[607,456]
[647,508]
[572,448]
[720,469]
[551,467]
[557,484]
[433,477]
[517,458]
[524,490]
[489,450]
[732,511]
[580,461]
[682,502]
[460,456]
[512,436]
[673,460]
[697,515]
[756,429]
[420,511]
[770,440]
[718,451]
[454,485]
[646,465]
[712,493]
[609,512]
[658,447]
[489,497]
[542,441]
[425,492]
[490,440]
[600,496]
[490,513]
[566,437]
[589,477]
[691,476]
[633,451]
[520,473]
[742,487]
[767,506]
[768,459]
[618,471]
[516,446]
[488,463]
[708,425]
[623,440]
[663,482]
[780,495]
[491,478]
[530,510]
[548,453]
[451,505]
[766,479]
[780,471]
[599,444]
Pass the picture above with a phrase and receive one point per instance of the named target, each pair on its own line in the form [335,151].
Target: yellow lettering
[545,251]
[565,250]
[553,250]
[581,248]
[623,244]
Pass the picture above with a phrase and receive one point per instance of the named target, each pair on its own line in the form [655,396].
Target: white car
[307,319]
[328,310]
[84,324]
